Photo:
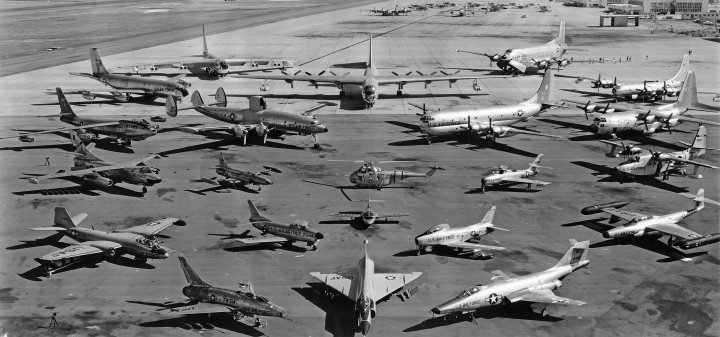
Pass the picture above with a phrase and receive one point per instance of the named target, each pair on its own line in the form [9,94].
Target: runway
[629,291]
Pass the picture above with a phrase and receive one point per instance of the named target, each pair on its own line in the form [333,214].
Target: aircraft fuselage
[456,122]
[246,303]
[278,120]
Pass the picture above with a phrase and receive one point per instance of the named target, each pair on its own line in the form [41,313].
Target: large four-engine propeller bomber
[275,232]
[505,176]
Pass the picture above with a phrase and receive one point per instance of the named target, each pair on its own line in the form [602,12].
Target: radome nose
[319,236]
[606,235]
[593,128]
[435,311]
[364,327]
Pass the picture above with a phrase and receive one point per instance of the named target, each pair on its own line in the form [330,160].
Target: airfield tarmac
[630,291]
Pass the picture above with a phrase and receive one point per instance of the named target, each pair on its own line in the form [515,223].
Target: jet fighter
[207,299]
[369,176]
[138,241]
[275,232]
[368,216]
[237,177]
[504,175]
[462,238]
[366,288]
[508,288]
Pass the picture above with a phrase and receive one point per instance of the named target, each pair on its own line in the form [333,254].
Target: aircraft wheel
[399,92]
[144,189]
[314,248]
[342,93]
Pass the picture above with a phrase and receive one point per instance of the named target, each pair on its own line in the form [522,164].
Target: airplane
[208,299]
[123,86]
[236,177]
[91,170]
[366,288]
[504,175]
[275,232]
[461,238]
[213,66]
[257,118]
[508,288]
[390,12]
[369,176]
[139,241]
[490,122]
[368,216]
[369,81]
[124,131]
[631,121]
[520,60]
[639,226]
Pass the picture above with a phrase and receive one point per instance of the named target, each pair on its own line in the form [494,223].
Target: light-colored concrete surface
[630,291]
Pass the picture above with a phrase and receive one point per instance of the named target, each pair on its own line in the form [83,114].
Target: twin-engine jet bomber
[368,82]
[505,176]
[235,177]
[368,216]
[275,232]
[370,176]
[366,288]
[124,131]
[207,299]
[507,288]
[138,241]
[257,118]
[462,239]
[491,122]
[123,86]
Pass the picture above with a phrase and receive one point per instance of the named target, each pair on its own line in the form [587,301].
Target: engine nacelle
[26,139]
[85,137]
[121,97]
[261,130]
[108,248]
[98,181]
[184,83]
[563,62]
[549,286]
[502,131]
[88,96]
[238,131]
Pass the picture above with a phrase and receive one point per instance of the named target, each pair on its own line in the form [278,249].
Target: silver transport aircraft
[507,288]
[275,232]
[257,118]
[460,238]
[138,241]
[366,288]
[505,176]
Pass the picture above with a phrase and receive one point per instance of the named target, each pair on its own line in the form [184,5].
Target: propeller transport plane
[505,176]
[368,216]
[395,11]
[235,177]
[124,131]
[507,288]
[257,118]
[138,241]
[366,288]
[123,86]
[370,176]
[275,232]
[462,239]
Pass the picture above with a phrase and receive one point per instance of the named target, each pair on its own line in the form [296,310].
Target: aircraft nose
[319,236]
[606,235]
[593,128]
[364,327]
[435,311]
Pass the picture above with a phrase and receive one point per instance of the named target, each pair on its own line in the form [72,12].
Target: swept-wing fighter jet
[257,118]
[491,122]
[138,241]
[370,176]
[124,131]
[91,170]
[207,299]
[275,232]
[369,81]
[212,66]
[235,177]
[123,86]
[507,288]
[536,58]
[366,288]
[368,216]
[461,238]
[506,176]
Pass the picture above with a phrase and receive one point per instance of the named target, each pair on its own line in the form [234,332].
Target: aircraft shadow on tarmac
[107,99]
[340,320]
[519,310]
[478,190]
[357,224]
[200,322]
[613,177]
[443,252]
[106,144]
[222,188]
[38,273]
[221,141]
[79,189]
[474,145]
[232,246]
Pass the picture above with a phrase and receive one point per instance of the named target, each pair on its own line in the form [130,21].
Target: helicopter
[371,176]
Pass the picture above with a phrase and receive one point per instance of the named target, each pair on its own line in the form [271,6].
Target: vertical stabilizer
[196,99]
[220,97]
[561,35]
[171,108]
[370,63]
[699,144]
[190,274]
[222,161]
[546,92]
[536,162]
[698,202]
[488,218]
[80,149]
[576,255]
[65,108]
[255,215]
[97,65]
[684,69]
[205,48]
[366,244]
[687,97]
[63,219]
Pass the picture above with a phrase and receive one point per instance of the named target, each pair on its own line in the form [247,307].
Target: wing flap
[545,296]
[675,230]
[340,283]
[151,228]
[625,215]
[71,252]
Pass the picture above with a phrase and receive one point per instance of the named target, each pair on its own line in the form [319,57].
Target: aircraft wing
[692,162]
[394,215]
[104,90]
[189,129]
[499,275]
[543,296]
[336,79]
[150,228]
[674,230]
[516,130]
[81,249]
[261,239]
[625,215]
[348,214]
[526,181]
[470,245]
[385,80]
[88,126]
[344,285]
[695,120]
[197,308]
[386,284]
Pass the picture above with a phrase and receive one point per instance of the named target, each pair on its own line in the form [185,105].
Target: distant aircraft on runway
[275,232]
[395,11]
[366,288]
[506,176]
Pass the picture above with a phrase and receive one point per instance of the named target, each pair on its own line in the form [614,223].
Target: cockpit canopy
[369,90]
[255,297]
[437,228]
[469,291]
[299,224]
[148,243]
[148,169]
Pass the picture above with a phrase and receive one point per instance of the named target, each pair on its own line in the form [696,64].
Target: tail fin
[432,171]
[365,245]
[700,143]
[536,162]
[97,65]
[687,97]
[190,274]
[196,99]
[255,214]
[576,255]
[171,108]
[220,97]
[546,92]
[80,148]
[698,202]
[63,219]
[65,108]
[205,48]
[222,161]
[488,218]
[684,68]
[370,55]
[561,36]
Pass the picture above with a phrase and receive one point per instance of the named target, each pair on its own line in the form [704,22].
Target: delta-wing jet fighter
[275,232]
[461,238]
[124,131]
[123,86]
[91,170]
[507,288]
[235,177]
[207,299]
[368,216]
[366,288]
[212,66]
[491,122]
[370,176]
[138,241]
[521,60]
[505,176]
[369,81]
[257,118]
